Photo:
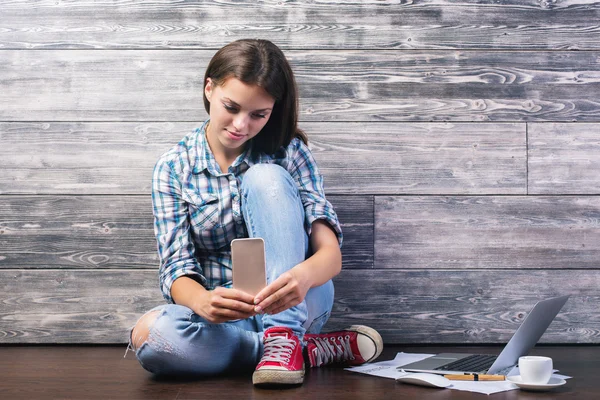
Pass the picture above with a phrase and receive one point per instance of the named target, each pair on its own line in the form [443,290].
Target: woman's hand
[288,290]
[224,304]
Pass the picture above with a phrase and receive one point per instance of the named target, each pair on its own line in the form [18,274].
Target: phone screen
[248,256]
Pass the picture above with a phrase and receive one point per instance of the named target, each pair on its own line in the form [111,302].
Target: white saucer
[554,382]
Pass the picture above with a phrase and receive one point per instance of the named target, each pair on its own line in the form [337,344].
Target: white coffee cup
[535,369]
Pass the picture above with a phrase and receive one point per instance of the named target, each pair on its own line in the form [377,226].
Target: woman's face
[237,113]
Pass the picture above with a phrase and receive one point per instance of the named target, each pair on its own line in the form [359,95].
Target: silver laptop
[528,334]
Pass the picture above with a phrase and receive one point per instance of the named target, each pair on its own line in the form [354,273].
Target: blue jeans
[182,342]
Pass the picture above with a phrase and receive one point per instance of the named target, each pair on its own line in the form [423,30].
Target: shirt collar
[204,159]
[200,153]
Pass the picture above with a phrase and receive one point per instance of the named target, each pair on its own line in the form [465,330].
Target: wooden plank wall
[459,142]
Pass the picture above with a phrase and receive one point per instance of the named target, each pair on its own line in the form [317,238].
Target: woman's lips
[235,136]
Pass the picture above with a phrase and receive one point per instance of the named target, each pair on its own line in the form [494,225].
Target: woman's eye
[234,110]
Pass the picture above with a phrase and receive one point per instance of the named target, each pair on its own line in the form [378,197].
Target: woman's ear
[208,88]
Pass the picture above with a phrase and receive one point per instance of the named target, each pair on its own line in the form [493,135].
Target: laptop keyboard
[473,363]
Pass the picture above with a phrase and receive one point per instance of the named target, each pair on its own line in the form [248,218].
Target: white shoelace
[333,350]
[278,349]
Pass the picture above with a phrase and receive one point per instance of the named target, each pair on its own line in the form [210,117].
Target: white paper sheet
[388,369]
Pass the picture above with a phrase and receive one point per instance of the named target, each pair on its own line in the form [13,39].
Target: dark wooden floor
[101,372]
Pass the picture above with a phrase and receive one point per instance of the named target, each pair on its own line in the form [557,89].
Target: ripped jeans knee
[172,340]
[139,333]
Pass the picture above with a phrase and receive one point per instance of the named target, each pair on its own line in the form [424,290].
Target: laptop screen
[528,334]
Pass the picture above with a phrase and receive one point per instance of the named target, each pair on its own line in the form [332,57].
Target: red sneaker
[282,362]
[353,346]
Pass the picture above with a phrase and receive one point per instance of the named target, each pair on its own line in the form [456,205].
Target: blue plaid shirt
[197,211]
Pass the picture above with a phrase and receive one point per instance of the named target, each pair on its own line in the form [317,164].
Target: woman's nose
[240,122]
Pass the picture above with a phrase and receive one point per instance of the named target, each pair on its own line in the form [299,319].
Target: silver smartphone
[249,265]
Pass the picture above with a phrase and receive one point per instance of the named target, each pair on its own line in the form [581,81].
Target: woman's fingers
[234,294]
[221,312]
[227,304]
[283,304]
[270,292]
[275,291]
[233,305]
[232,299]
[277,300]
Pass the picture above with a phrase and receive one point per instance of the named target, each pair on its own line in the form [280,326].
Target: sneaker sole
[277,377]
[371,334]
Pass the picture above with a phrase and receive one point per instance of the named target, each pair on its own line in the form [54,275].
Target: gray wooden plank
[113,232]
[389,24]
[91,85]
[84,158]
[355,158]
[74,306]
[355,214]
[99,306]
[429,158]
[515,232]
[121,85]
[457,306]
[564,158]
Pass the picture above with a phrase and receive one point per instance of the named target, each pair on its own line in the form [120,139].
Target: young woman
[246,172]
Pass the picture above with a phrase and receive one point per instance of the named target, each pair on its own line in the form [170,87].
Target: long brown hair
[260,62]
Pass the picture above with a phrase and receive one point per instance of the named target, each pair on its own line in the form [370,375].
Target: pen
[475,377]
